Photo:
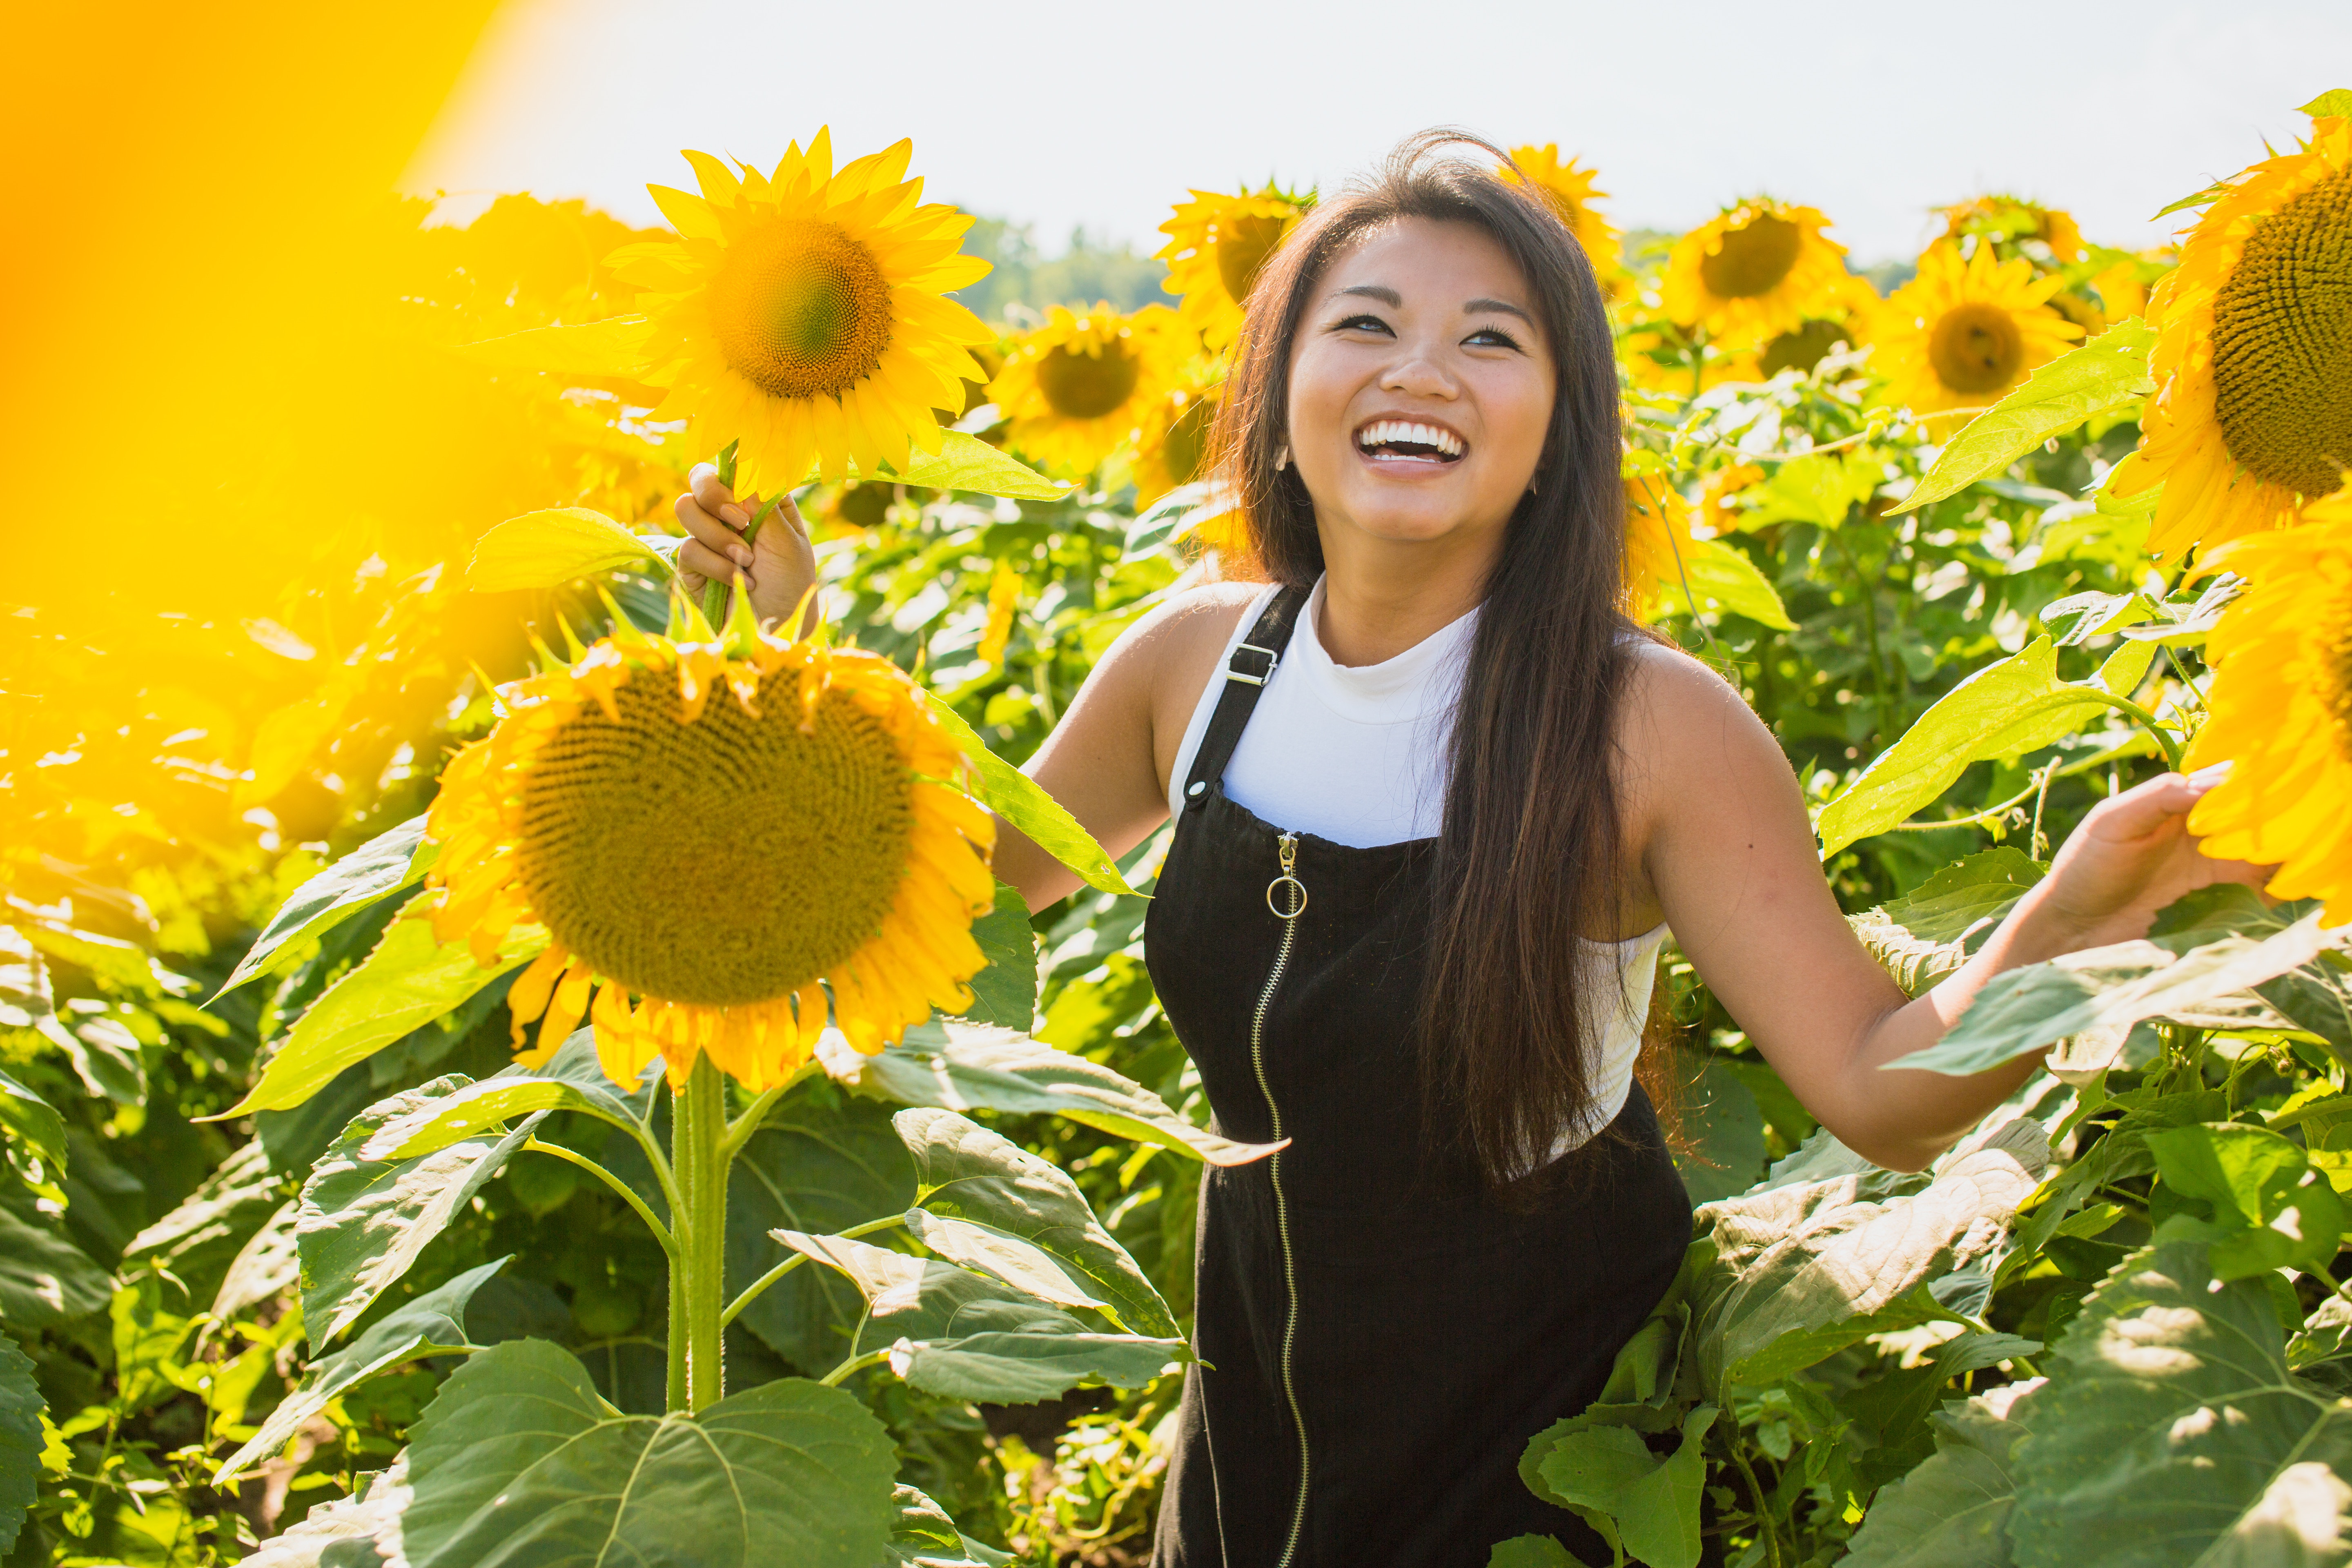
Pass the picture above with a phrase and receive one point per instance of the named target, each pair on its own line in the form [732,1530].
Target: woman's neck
[1382,596]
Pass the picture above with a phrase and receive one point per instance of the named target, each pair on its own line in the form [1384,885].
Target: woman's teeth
[1405,438]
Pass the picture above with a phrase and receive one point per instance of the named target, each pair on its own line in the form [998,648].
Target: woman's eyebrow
[1389,297]
[1474,306]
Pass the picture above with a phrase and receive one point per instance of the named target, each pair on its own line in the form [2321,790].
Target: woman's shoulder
[1191,628]
[1682,721]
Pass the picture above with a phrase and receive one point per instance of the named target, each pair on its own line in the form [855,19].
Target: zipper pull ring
[1290,848]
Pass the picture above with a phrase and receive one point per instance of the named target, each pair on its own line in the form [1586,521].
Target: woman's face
[1421,387]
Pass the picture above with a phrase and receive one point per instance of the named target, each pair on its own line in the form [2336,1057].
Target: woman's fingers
[2157,804]
[697,560]
[710,529]
[711,494]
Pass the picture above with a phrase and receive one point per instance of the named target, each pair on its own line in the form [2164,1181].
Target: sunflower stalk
[697,1273]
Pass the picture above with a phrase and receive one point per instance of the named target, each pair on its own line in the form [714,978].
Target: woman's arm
[1728,856]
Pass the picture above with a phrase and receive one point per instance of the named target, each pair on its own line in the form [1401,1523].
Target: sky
[1102,115]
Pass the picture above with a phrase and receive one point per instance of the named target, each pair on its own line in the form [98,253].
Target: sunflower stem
[699,1130]
[2146,719]
[738,1132]
[661,1232]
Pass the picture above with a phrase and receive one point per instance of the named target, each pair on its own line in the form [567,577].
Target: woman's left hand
[2131,856]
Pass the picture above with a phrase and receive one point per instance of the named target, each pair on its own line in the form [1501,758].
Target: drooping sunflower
[800,314]
[724,837]
[1658,541]
[1078,387]
[1753,271]
[2046,236]
[2250,421]
[1963,333]
[1569,190]
[2280,709]
[1216,246]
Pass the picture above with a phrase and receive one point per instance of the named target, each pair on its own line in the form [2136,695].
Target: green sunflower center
[1088,386]
[2282,344]
[1187,442]
[801,309]
[1754,258]
[727,861]
[1975,348]
[1803,348]
[1243,244]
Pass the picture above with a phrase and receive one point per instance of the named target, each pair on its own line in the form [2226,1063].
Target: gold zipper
[1290,917]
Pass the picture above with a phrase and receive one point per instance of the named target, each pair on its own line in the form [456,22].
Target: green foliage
[2107,375]
[20,1440]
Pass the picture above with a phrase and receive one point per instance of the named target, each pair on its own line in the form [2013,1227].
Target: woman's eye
[1491,338]
[1361,324]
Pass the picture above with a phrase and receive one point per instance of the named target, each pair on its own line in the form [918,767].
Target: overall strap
[1246,673]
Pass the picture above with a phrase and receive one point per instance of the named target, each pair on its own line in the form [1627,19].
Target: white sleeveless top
[1357,755]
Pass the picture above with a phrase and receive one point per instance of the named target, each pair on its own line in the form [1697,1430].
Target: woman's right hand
[776,568]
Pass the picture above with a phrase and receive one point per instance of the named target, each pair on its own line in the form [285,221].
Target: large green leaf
[2208,984]
[573,1079]
[2250,1193]
[1021,1367]
[2002,710]
[1820,488]
[1724,1130]
[2173,1431]
[1806,1268]
[20,1439]
[2106,376]
[433,1324]
[1023,801]
[548,549]
[1646,1505]
[409,980]
[1951,1510]
[1722,578]
[923,1536]
[1007,989]
[517,1462]
[964,1171]
[970,464]
[396,858]
[362,1222]
[1530,1552]
[970,1066]
[202,1234]
[44,1277]
[819,1168]
[33,1121]
[1923,935]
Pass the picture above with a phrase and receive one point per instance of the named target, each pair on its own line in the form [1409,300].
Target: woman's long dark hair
[1527,860]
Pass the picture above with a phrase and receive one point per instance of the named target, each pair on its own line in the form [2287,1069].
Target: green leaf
[1021,801]
[1819,489]
[2002,710]
[1002,1256]
[2171,1430]
[1722,578]
[970,1066]
[20,1439]
[518,1461]
[1950,1510]
[433,1324]
[35,1122]
[548,549]
[1014,1367]
[1175,515]
[924,1537]
[2249,1192]
[573,1079]
[2022,1010]
[970,464]
[1650,1505]
[396,858]
[1923,935]
[964,1171]
[201,1237]
[269,1261]
[1725,1135]
[1530,1552]
[2335,101]
[407,982]
[817,1169]
[2102,376]
[362,1222]
[614,348]
[44,1277]
[1805,1269]
[1007,989]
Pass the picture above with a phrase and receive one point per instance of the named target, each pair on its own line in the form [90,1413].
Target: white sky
[1064,114]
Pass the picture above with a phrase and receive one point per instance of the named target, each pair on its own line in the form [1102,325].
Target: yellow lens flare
[1217,245]
[1965,332]
[1570,190]
[724,839]
[800,314]
[2281,706]
[1754,272]
[1083,385]
[2251,424]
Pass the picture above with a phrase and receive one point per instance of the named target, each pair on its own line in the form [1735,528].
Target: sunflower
[1963,333]
[2046,236]
[1216,246]
[2249,422]
[1004,600]
[1658,538]
[715,833]
[2282,711]
[799,314]
[1077,387]
[1570,192]
[1754,272]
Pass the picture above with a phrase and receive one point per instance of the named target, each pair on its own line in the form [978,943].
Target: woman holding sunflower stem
[1438,801]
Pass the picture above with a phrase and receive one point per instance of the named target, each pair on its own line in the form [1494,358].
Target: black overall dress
[1378,1341]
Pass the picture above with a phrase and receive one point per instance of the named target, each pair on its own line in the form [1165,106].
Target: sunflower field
[506,1060]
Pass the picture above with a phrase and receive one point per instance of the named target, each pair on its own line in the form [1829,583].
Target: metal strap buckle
[1235,672]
